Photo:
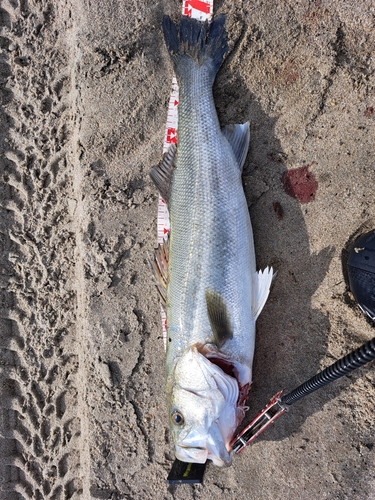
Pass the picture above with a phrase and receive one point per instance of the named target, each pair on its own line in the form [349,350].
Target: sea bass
[209,284]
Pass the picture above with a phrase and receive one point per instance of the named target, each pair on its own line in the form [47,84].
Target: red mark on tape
[171,136]
[175,103]
[300,184]
[166,231]
[196,5]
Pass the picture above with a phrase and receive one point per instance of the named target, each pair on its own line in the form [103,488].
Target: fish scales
[211,242]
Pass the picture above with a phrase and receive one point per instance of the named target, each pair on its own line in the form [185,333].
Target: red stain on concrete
[278,209]
[292,77]
[300,184]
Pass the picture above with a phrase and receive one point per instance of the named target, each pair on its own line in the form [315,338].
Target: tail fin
[193,40]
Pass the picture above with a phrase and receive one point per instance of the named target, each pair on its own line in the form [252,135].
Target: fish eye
[177,418]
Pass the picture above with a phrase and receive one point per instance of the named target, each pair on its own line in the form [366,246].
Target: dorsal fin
[238,136]
[159,268]
[162,173]
[219,317]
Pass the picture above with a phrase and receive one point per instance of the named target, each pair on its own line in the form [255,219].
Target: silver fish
[209,284]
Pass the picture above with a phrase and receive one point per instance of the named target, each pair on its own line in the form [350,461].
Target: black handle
[348,363]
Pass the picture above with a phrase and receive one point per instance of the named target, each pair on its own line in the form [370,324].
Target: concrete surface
[85,88]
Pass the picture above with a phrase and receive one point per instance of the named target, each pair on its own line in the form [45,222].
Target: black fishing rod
[348,363]
[361,274]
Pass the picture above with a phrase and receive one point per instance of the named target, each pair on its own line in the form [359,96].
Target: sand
[85,89]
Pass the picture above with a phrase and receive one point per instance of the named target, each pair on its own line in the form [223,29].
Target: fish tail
[195,41]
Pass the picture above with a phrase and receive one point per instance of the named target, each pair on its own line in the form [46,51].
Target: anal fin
[261,288]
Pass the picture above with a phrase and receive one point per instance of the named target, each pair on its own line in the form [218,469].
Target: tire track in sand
[40,375]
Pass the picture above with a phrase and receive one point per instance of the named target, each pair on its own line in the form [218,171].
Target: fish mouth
[196,454]
[200,454]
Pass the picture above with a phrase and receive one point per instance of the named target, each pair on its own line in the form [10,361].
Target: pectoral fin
[162,173]
[219,317]
[239,138]
[261,288]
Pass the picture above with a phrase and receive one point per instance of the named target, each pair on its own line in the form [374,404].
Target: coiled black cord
[352,361]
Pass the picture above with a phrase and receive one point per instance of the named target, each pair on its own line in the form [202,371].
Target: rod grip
[348,363]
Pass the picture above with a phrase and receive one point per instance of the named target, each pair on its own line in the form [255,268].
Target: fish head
[203,409]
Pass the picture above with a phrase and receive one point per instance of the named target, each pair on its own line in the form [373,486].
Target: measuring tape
[202,11]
